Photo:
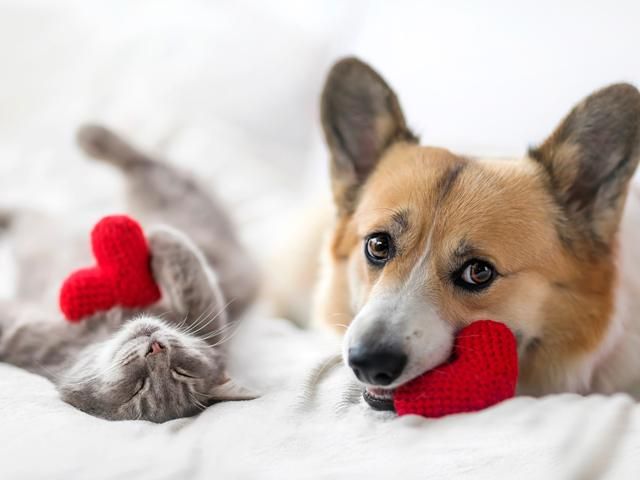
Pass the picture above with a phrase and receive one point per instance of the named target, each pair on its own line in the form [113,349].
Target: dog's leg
[160,193]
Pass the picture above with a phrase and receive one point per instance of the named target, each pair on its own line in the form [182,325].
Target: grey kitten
[162,362]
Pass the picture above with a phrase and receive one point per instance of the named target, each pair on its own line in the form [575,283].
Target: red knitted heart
[122,276]
[483,371]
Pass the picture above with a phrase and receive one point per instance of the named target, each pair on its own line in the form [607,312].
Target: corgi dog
[426,241]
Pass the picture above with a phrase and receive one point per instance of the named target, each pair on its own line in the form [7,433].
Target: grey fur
[105,365]
[5,219]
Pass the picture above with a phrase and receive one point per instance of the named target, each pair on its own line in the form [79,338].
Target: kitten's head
[149,370]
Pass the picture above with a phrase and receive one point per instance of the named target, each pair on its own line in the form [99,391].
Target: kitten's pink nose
[155,347]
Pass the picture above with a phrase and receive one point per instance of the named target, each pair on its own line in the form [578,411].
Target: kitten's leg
[189,284]
[160,193]
[35,340]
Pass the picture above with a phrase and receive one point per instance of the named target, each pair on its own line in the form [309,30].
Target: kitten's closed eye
[180,374]
[141,387]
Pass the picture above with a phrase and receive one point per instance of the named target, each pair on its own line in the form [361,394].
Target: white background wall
[230,89]
[493,76]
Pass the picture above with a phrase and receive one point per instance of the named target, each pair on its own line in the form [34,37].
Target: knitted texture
[482,371]
[122,276]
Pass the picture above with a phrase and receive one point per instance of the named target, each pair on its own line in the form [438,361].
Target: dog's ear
[590,158]
[361,117]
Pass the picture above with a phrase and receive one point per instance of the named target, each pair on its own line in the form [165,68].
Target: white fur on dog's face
[405,319]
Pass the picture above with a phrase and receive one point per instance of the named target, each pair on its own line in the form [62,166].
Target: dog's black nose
[377,367]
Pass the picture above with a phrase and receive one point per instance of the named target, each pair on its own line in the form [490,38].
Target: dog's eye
[378,248]
[476,274]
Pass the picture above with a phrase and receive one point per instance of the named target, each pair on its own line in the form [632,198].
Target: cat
[158,363]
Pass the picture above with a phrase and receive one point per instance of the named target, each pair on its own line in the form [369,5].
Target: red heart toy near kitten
[122,276]
[482,371]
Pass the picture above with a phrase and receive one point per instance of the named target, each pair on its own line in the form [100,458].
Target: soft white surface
[229,90]
[305,429]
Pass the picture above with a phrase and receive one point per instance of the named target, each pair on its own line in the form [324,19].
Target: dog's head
[427,241]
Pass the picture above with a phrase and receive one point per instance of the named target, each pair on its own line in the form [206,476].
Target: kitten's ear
[361,117]
[184,276]
[590,158]
[230,390]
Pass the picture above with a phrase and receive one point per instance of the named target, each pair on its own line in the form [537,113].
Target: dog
[426,241]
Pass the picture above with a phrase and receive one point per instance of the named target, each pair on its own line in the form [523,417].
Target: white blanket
[312,423]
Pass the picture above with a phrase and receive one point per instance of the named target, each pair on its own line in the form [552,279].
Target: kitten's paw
[183,274]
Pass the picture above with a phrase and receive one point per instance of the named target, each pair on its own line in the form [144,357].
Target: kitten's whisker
[219,331]
[227,338]
[204,320]
[76,378]
[214,305]
[162,315]
[205,313]
[226,326]
[223,310]
[208,320]
[183,322]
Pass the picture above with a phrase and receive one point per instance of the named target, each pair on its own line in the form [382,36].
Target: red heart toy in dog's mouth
[482,371]
[122,276]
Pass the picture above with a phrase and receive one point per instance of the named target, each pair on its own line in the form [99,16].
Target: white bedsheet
[303,428]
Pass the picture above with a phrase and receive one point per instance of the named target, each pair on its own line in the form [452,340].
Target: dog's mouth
[379,398]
